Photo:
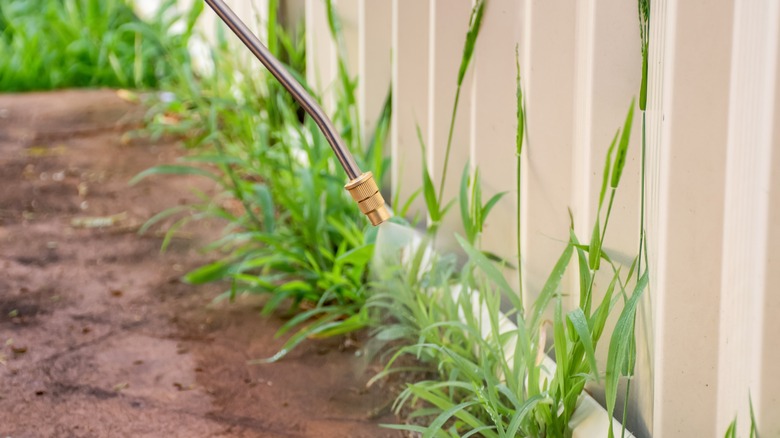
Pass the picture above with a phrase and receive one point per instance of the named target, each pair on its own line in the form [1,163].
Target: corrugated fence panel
[374,70]
[745,289]
[321,61]
[547,44]
[410,96]
[768,398]
[348,12]
[448,25]
[494,122]
[692,154]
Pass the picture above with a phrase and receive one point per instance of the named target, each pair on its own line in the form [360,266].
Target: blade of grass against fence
[619,347]
[475,23]
[520,137]
[644,34]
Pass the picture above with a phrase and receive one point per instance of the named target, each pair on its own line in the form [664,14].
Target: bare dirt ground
[99,338]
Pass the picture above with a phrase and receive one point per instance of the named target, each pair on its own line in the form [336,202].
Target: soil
[98,336]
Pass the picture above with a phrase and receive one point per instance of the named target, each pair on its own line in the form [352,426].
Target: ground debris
[183,387]
[98,221]
[45,151]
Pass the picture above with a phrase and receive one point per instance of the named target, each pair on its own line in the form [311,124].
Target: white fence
[708,329]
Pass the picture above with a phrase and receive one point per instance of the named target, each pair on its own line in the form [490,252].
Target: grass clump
[472,332]
[487,349]
[293,231]
[49,44]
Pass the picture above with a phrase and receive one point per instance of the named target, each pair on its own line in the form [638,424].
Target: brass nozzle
[366,193]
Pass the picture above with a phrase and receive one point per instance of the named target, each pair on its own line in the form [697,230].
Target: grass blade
[622,151]
[170,169]
[580,324]
[619,347]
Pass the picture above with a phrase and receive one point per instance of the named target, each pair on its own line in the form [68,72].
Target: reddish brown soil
[98,338]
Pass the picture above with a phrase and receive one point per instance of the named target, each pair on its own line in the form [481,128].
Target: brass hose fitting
[366,193]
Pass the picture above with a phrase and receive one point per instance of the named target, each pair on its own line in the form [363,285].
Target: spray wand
[361,185]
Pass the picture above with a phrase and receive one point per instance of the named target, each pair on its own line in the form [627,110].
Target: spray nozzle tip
[366,193]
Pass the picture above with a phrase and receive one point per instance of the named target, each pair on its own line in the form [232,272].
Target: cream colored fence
[709,328]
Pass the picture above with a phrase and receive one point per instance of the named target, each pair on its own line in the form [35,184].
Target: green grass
[480,386]
[731,432]
[49,44]
[296,235]
[489,376]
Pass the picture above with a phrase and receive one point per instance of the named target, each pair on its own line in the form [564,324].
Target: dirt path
[98,338]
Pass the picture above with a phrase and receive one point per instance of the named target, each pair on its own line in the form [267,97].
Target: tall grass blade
[475,23]
[619,346]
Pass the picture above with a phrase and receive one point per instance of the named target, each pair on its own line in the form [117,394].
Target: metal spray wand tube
[361,186]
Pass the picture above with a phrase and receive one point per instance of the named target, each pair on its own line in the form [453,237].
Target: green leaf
[551,287]
[160,216]
[357,321]
[320,325]
[580,324]
[172,170]
[266,202]
[521,413]
[607,169]
[520,107]
[468,225]
[491,271]
[491,203]
[561,348]
[442,418]
[731,432]
[208,273]
[394,332]
[622,151]
[584,274]
[753,423]
[619,346]
[195,11]
[406,427]
[429,192]
[475,23]
[357,256]
[643,86]
[602,312]
[444,403]
[594,253]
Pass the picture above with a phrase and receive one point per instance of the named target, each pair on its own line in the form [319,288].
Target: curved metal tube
[281,74]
